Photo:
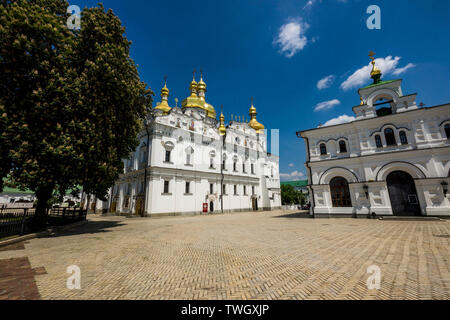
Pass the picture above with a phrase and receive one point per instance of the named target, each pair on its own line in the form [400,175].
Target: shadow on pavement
[300,214]
[89,227]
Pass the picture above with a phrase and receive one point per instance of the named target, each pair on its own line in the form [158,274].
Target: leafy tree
[70,101]
[291,196]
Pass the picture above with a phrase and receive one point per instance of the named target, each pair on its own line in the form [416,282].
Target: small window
[403,138]
[245,190]
[224,189]
[188,187]
[224,165]
[211,163]
[235,148]
[234,166]
[323,149]
[235,189]
[447,130]
[253,190]
[188,159]
[390,137]
[378,141]
[252,168]
[342,146]
[243,167]
[166,186]
[167,159]
[211,188]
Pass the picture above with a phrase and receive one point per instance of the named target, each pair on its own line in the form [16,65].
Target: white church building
[394,159]
[187,162]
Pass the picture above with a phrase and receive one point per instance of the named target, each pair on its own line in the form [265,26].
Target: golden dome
[222,129]
[253,122]
[164,105]
[211,112]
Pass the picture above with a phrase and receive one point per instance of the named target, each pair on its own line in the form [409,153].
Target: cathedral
[189,163]
[393,159]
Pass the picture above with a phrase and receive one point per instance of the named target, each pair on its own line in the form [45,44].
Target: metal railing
[15,221]
[19,221]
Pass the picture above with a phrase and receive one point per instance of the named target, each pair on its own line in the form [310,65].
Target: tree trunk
[40,218]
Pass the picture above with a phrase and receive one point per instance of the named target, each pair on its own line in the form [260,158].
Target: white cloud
[361,76]
[403,70]
[341,119]
[325,82]
[326,105]
[291,38]
[291,165]
[293,176]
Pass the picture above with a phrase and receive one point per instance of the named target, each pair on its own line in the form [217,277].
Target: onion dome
[222,129]
[375,74]
[164,105]
[253,122]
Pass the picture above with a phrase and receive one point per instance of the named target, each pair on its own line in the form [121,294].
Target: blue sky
[278,51]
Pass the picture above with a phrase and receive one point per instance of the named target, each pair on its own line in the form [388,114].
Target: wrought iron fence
[15,221]
[19,221]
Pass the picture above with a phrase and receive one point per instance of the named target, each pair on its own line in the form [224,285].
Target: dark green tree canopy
[71,102]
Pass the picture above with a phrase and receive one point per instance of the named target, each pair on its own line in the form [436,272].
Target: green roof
[299,183]
[379,84]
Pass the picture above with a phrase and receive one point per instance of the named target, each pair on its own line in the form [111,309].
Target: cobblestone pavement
[270,255]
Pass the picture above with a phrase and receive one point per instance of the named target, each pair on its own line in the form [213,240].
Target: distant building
[13,195]
[394,159]
[300,185]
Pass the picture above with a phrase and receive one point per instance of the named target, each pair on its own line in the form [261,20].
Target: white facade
[182,152]
[383,158]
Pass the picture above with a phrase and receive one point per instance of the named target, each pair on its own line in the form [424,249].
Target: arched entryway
[211,206]
[340,192]
[403,194]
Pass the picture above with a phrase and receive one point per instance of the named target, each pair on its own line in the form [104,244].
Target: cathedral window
[390,137]
[243,167]
[235,166]
[245,190]
[187,187]
[211,163]
[211,188]
[167,157]
[253,190]
[188,159]
[342,146]
[224,189]
[403,138]
[323,149]
[235,190]
[252,166]
[378,142]
[340,192]
[447,130]
[166,186]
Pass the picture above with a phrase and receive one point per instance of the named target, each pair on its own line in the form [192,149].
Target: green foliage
[70,101]
[291,196]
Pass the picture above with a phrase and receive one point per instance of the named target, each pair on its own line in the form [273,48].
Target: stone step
[412,218]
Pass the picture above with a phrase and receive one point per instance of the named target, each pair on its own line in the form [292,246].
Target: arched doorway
[340,192]
[211,206]
[403,194]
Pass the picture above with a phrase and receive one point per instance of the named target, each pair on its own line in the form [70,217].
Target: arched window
[378,141]
[340,192]
[390,137]
[403,138]
[447,130]
[323,149]
[342,146]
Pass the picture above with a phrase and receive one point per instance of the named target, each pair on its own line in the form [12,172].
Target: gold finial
[375,74]
[362,101]
[193,75]
[222,129]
